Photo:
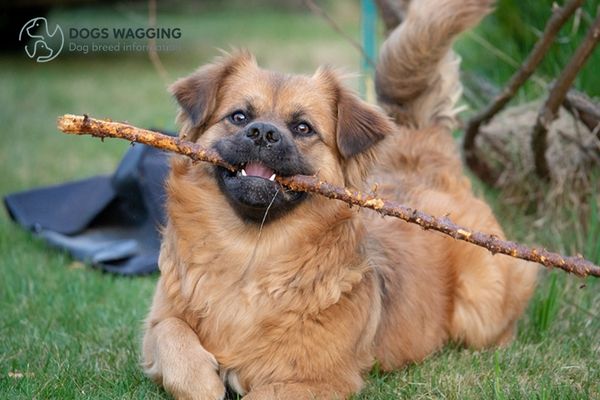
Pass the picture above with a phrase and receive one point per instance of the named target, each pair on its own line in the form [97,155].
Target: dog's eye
[238,118]
[303,129]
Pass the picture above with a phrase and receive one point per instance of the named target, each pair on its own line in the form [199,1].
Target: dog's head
[269,124]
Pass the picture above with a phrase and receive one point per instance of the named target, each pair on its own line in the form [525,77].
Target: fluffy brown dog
[284,295]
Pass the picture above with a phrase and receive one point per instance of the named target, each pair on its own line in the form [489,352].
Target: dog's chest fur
[262,308]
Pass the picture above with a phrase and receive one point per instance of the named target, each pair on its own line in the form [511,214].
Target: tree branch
[577,265]
[584,109]
[555,23]
[315,9]
[557,95]
[152,51]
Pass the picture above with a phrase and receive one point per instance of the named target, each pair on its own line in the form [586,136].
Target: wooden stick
[555,23]
[84,125]
[556,97]
[577,265]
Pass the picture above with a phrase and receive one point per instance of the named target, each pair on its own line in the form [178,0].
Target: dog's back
[431,283]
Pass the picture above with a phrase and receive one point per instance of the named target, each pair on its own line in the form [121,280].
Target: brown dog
[284,295]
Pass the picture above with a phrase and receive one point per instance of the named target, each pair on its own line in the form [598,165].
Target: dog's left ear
[359,124]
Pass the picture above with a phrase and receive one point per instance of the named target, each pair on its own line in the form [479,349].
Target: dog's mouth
[256,169]
[254,193]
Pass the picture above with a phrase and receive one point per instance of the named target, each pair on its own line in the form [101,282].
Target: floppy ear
[359,124]
[359,127]
[197,93]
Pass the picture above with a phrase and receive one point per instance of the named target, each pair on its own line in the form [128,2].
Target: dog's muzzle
[260,152]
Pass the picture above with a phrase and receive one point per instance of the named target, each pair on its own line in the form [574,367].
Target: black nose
[263,133]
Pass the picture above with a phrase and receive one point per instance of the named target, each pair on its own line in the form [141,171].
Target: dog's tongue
[258,169]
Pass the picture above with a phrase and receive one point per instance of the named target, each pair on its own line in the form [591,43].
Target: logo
[36,34]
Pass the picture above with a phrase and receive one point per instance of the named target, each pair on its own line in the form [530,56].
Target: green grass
[71,332]
[68,331]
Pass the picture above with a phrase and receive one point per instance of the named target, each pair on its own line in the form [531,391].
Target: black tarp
[111,222]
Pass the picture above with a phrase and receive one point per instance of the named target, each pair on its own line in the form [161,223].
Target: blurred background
[70,331]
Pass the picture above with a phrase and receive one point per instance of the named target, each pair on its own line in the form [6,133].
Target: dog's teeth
[244,172]
[272,178]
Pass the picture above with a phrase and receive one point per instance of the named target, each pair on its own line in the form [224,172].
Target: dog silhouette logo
[36,34]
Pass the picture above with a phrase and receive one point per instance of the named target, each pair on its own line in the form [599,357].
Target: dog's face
[268,124]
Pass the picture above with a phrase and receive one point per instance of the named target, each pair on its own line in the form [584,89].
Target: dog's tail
[417,79]
[418,85]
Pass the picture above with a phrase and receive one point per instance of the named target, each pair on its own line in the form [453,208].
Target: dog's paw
[195,384]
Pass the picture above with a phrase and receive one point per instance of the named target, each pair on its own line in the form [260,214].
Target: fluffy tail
[417,78]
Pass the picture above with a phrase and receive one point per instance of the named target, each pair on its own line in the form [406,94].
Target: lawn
[68,331]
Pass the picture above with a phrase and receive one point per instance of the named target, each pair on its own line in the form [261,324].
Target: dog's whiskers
[262,224]
[260,230]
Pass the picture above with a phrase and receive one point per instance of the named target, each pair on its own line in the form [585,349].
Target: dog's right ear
[197,94]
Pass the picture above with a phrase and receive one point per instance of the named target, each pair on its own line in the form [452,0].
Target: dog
[287,295]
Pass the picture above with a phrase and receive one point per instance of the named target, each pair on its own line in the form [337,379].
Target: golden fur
[302,306]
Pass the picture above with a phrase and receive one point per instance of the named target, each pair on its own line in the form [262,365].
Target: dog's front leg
[296,391]
[174,357]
